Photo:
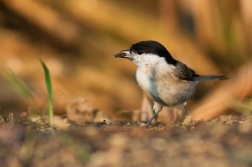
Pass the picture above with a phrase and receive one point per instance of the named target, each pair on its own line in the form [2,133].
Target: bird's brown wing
[184,73]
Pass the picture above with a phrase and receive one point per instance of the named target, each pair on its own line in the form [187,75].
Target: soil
[225,141]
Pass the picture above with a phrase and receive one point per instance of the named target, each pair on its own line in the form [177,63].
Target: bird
[167,81]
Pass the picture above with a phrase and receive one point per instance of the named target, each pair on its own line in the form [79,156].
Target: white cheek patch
[147,59]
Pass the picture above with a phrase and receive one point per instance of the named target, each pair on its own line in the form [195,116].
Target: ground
[225,141]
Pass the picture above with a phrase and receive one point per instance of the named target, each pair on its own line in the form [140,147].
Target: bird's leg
[146,109]
[149,122]
[156,108]
[185,109]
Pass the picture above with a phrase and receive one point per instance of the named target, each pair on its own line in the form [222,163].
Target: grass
[49,91]
[20,87]
[24,91]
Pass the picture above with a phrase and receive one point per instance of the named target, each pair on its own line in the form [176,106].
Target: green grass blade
[22,89]
[49,91]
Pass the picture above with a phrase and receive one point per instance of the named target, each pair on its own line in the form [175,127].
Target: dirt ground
[225,141]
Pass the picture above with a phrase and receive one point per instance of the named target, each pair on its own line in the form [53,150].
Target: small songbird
[168,82]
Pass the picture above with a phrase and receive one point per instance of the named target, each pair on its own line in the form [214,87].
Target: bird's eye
[139,52]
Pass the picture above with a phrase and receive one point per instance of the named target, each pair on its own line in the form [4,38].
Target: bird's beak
[124,54]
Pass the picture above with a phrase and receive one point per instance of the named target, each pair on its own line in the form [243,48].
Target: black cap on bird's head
[148,47]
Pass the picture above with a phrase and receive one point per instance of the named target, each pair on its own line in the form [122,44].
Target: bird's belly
[175,94]
[168,92]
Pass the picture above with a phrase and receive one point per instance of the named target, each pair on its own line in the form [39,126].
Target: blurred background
[78,39]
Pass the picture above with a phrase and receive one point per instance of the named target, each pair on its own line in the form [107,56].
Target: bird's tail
[209,77]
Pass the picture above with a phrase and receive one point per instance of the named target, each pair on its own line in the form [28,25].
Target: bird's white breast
[144,81]
[160,85]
